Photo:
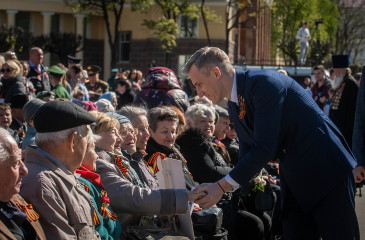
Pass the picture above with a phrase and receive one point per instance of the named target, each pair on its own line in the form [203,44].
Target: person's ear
[71,142]
[216,72]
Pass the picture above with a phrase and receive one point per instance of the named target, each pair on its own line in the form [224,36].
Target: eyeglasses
[126,132]
[8,70]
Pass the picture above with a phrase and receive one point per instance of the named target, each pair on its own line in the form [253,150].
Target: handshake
[208,194]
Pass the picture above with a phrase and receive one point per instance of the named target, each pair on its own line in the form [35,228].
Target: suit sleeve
[359,123]
[267,95]
[126,197]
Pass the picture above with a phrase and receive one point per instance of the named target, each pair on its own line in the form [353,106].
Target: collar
[49,155]
[92,177]
[234,97]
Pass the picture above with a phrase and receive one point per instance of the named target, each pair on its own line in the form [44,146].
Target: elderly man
[95,86]
[138,117]
[37,72]
[65,208]
[343,105]
[275,118]
[18,220]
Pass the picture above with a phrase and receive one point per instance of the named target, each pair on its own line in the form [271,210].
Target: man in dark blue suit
[275,118]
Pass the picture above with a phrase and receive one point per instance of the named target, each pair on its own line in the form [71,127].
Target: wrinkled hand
[213,194]
[359,173]
[192,196]
[196,208]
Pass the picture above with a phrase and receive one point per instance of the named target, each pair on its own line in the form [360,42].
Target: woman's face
[128,136]
[108,139]
[7,71]
[25,70]
[205,125]
[165,133]
[89,161]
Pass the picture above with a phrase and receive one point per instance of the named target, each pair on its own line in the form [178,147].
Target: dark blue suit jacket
[282,120]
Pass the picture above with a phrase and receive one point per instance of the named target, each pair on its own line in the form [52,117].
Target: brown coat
[5,233]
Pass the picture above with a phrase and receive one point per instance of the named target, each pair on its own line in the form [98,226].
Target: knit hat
[30,108]
[121,119]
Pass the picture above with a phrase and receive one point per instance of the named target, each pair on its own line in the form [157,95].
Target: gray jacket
[66,210]
[130,202]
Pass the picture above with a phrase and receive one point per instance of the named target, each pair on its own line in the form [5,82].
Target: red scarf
[92,177]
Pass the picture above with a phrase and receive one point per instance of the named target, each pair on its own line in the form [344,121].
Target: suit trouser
[332,218]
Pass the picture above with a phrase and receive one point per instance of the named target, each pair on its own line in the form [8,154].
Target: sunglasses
[8,70]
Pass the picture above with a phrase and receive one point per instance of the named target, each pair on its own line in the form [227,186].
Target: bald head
[36,55]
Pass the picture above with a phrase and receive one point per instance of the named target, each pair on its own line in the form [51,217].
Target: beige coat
[66,210]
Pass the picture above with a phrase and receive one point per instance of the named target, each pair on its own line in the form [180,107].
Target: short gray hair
[5,145]
[132,112]
[56,138]
[208,57]
[198,111]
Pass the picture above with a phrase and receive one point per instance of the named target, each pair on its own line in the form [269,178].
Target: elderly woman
[105,220]
[204,162]
[133,202]
[163,129]
[12,81]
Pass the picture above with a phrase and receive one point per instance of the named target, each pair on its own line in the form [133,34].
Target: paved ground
[360,210]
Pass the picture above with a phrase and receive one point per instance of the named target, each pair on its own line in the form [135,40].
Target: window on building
[124,46]
[55,23]
[188,28]
[22,19]
[181,62]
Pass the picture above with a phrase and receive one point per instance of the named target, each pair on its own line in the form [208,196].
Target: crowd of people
[78,155]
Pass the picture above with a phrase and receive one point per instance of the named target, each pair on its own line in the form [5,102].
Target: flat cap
[340,61]
[73,59]
[56,116]
[56,70]
[30,108]
[93,69]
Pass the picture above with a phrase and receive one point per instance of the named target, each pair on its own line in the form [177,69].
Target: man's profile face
[12,170]
[206,85]
[36,57]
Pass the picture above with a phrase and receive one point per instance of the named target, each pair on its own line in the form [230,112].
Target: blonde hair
[208,57]
[13,65]
[104,122]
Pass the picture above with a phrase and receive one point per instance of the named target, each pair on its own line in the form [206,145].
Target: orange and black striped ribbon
[87,189]
[152,161]
[96,218]
[106,212]
[119,163]
[29,211]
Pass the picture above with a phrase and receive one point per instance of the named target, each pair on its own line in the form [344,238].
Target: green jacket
[108,229]
[61,92]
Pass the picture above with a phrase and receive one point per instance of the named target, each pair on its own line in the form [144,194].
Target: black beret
[340,61]
[56,116]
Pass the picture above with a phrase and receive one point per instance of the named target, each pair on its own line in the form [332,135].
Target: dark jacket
[232,148]
[204,162]
[161,88]
[125,98]
[343,106]
[40,80]
[318,92]
[174,153]
[358,138]
[275,117]
[11,87]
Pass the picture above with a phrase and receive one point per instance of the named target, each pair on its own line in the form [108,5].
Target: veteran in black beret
[343,105]
[94,85]
[52,185]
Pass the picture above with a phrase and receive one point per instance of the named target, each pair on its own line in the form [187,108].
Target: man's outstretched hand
[213,191]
